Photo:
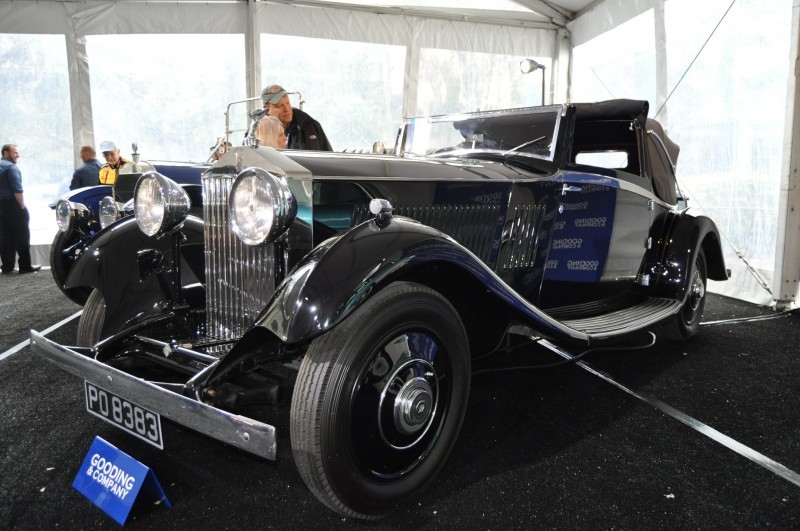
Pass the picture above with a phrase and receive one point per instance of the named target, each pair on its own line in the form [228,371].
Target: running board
[640,316]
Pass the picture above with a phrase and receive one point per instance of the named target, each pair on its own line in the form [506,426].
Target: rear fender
[111,265]
[687,234]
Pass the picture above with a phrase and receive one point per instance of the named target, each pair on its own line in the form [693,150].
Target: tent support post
[79,88]
[786,280]
[252,53]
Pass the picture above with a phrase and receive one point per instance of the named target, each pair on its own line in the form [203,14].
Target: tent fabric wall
[752,280]
[76,20]
[413,32]
[606,15]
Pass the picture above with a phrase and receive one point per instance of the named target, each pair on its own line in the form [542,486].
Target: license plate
[136,420]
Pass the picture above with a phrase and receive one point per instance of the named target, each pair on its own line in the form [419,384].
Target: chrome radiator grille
[239,279]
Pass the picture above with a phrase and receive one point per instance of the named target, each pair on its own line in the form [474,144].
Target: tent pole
[786,279]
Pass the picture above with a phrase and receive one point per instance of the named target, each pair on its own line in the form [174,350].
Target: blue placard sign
[112,479]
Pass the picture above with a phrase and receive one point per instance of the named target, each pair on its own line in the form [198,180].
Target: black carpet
[540,448]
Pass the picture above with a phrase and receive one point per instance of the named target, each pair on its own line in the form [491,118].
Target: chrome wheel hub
[413,406]
[697,291]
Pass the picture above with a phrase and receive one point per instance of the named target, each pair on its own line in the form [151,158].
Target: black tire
[685,324]
[379,401]
[60,266]
[91,321]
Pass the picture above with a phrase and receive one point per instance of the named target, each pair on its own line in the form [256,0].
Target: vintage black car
[360,287]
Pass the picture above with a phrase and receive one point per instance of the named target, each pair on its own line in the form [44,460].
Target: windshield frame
[417,130]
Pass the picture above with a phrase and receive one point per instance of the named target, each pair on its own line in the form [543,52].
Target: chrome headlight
[159,203]
[108,211]
[68,213]
[261,206]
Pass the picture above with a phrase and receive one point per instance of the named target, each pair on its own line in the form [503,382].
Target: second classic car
[84,212]
[360,287]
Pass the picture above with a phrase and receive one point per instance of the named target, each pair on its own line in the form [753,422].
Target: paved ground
[548,448]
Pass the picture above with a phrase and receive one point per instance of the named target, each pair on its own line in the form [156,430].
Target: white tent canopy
[161,73]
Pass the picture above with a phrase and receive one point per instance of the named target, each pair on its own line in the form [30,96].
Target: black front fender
[343,272]
[110,265]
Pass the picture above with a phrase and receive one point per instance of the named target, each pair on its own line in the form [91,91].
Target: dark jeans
[15,235]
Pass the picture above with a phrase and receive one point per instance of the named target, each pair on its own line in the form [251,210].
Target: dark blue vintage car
[361,287]
[82,213]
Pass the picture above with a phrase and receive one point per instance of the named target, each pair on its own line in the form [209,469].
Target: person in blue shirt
[89,173]
[15,235]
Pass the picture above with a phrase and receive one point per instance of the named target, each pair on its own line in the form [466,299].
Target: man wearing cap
[302,130]
[109,172]
[15,235]
[89,173]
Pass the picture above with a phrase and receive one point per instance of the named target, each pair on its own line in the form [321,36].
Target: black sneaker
[8,272]
[32,269]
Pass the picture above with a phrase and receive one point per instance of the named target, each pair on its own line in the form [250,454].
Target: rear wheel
[686,323]
[61,265]
[379,401]
[92,318]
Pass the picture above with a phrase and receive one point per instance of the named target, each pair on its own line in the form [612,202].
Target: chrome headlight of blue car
[68,213]
[109,213]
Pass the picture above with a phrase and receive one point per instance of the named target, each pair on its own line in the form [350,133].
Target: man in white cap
[302,130]
[109,172]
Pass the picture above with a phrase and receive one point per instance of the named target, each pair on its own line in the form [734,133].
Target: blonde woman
[269,132]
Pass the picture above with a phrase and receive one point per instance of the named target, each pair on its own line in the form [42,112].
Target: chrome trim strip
[614,182]
[652,133]
[242,432]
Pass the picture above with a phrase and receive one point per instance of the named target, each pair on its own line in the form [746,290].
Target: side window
[615,160]
[606,144]
[664,181]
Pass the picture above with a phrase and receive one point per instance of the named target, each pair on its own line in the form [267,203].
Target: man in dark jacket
[302,130]
[15,235]
[89,173]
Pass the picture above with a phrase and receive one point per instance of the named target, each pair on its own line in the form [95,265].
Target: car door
[604,216]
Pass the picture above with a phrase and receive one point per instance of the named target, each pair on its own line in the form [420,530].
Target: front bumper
[242,432]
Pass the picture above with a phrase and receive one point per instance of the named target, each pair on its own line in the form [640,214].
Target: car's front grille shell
[240,279]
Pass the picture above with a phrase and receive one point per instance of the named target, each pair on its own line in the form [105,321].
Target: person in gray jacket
[302,131]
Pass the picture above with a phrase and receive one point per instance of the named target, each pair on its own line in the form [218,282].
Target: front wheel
[379,401]
[91,322]
[686,323]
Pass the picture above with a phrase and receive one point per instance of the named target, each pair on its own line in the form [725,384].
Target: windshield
[529,132]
